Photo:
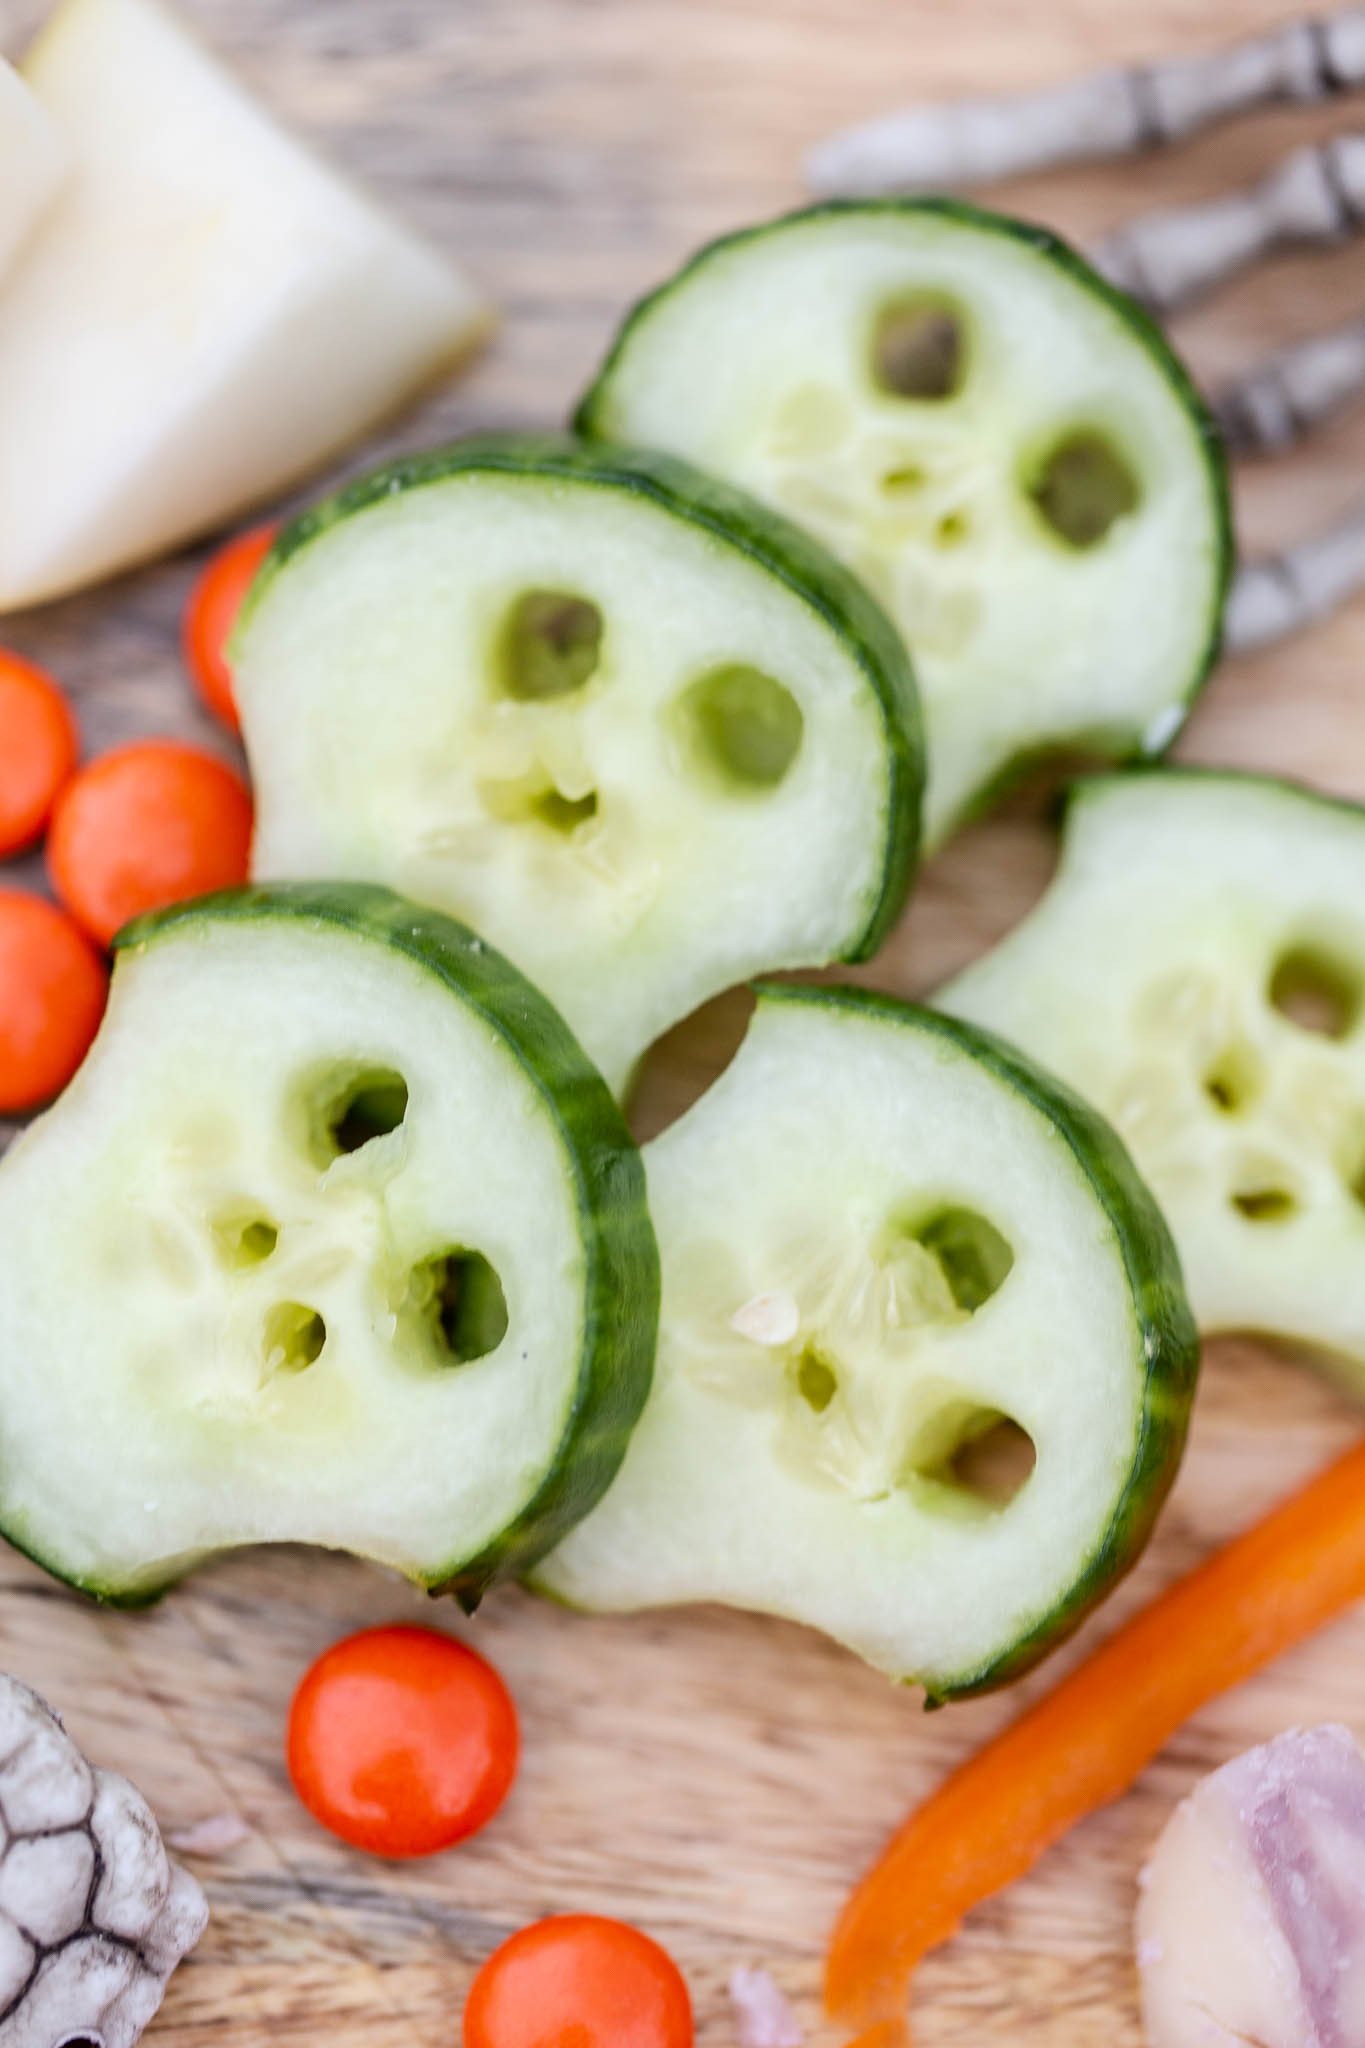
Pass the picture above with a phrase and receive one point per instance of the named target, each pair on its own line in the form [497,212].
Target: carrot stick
[1084,1743]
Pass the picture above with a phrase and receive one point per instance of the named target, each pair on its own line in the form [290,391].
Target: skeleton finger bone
[1285,396]
[1276,595]
[1108,114]
[1314,198]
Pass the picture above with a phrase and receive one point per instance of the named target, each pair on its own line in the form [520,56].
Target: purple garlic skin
[93,1914]
[1251,1923]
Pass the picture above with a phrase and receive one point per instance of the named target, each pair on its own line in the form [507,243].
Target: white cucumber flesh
[314,1249]
[1197,971]
[882,1242]
[576,700]
[1002,447]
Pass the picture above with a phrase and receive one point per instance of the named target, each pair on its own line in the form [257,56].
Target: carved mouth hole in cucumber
[975,1258]
[1235,1079]
[1316,990]
[354,1106]
[459,1299]
[741,727]
[980,1452]
[293,1339]
[816,1380]
[904,480]
[243,1239]
[1265,1205]
[918,349]
[549,646]
[563,813]
[1083,486]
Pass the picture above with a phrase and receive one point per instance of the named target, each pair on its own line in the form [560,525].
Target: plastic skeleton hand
[1315,197]
[93,1914]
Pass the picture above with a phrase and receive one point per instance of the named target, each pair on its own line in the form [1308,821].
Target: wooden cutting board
[718,1778]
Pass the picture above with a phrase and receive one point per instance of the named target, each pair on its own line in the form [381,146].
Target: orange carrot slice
[1084,1743]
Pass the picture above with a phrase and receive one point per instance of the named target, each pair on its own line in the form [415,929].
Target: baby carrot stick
[1084,1743]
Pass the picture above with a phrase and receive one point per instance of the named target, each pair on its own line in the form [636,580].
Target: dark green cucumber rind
[592,416]
[1083,788]
[622,1275]
[777,546]
[1165,1326]
[94,1589]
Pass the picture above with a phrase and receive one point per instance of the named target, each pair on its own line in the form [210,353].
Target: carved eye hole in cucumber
[293,1338]
[1316,990]
[741,728]
[996,1463]
[550,645]
[919,348]
[974,1258]
[1083,487]
[979,1454]
[350,1107]
[457,1299]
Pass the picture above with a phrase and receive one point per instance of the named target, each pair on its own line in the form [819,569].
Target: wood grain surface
[717,1778]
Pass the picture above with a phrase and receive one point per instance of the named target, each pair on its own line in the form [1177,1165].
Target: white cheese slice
[33,163]
[208,315]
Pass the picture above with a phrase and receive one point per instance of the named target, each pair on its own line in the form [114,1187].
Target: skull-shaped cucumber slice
[1197,970]
[925,1365]
[336,1238]
[1001,445]
[642,733]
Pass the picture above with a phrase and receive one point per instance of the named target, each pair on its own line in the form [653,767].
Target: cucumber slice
[884,1236]
[1002,446]
[642,733]
[1197,970]
[336,1238]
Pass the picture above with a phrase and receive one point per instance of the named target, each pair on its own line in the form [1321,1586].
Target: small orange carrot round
[147,824]
[1084,1743]
[211,614]
[52,989]
[38,746]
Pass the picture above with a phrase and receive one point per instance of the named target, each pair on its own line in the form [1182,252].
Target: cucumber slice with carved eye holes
[1001,445]
[1197,970]
[894,1259]
[642,733]
[336,1238]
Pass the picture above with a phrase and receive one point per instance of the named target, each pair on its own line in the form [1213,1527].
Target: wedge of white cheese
[33,163]
[207,314]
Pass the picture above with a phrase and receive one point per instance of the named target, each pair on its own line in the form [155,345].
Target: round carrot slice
[212,611]
[38,747]
[52,990]
[577,1981]
[402,1741]
[143,826]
